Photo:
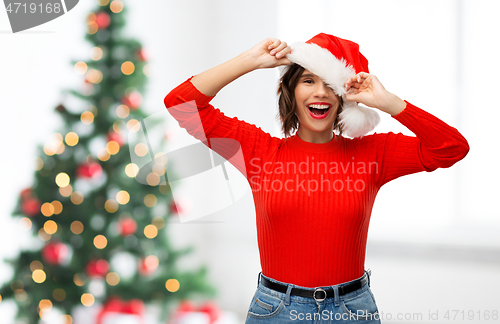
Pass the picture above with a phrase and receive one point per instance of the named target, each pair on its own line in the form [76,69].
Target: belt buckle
[314,294]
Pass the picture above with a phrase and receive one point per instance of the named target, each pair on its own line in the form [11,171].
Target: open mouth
[319,110]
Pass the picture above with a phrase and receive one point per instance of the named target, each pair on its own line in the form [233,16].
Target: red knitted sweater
[313,201]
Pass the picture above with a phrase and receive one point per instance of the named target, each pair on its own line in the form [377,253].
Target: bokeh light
[128,68]
[50,227]
[47,209]
[122,197]
[79,279]
[112,147]
[38,164]
[94,76]
[25,223]
[122,111]
[92,27]
[100,241]
[131,170]
[103,155]
[159,222]
[96,53]
[112,279]
[71,138]
[35,265]
[116,6]
[43,235]
[150,200]
[59,294]
[150,231]
[76,198]
[39,276]
[45,304]
[159,168]
[153,179]
[21,295]
[87,299]
[172,285]
[111,205]
[87,117]
[66,191]
[62,179]
[58,207]
[76,227]
[66,319]
[133,125]
[141,149]
[80,68]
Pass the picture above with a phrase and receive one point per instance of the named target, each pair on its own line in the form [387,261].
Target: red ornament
[141,54]
[112,136]
[91,170]
[97,268]
[26,193]
[208,308]
[55,253]
[114,305]
[133,100]
[186,306]
[31,207]
[212,310]
[175,208]
[102,20]
[147,268]
[127,226]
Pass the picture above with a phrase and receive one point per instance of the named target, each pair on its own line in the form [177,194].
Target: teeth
[319,106]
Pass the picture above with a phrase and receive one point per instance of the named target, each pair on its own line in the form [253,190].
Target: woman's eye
[308,81]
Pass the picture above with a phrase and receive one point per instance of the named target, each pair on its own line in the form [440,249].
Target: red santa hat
[334,60]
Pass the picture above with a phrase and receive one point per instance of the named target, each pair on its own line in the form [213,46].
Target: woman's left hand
[367,89]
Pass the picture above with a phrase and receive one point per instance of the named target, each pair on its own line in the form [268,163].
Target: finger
[284,52]
[350,81]
[280,47]
[274,43]
[352,85]
[361,76]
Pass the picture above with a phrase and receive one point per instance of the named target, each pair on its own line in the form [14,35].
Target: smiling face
[316,108]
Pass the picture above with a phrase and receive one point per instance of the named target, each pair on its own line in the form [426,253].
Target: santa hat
[334,60]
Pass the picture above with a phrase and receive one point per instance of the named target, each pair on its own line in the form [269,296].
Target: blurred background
[433,242]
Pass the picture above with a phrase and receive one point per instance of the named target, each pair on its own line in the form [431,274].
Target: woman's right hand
[270,53]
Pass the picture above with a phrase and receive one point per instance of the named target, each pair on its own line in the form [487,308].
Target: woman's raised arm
[267,54]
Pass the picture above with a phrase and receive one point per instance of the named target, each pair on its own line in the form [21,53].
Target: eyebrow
[307,75]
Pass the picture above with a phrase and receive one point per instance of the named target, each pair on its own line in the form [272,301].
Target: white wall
[428,52]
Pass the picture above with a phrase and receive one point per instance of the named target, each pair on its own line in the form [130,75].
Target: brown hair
[287,104]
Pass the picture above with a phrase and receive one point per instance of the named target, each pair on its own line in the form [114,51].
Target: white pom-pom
[357,121]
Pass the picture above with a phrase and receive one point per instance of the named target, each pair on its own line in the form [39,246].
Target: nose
[321,90]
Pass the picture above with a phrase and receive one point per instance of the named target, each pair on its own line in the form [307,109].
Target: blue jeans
[270,306]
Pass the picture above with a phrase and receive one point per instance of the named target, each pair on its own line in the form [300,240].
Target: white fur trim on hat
[356,121]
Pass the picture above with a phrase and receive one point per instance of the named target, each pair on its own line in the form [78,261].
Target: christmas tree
[99,220]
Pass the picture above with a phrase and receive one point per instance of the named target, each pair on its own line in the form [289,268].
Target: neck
[308,135]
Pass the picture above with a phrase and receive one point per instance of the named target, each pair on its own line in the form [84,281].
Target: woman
[314,191]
